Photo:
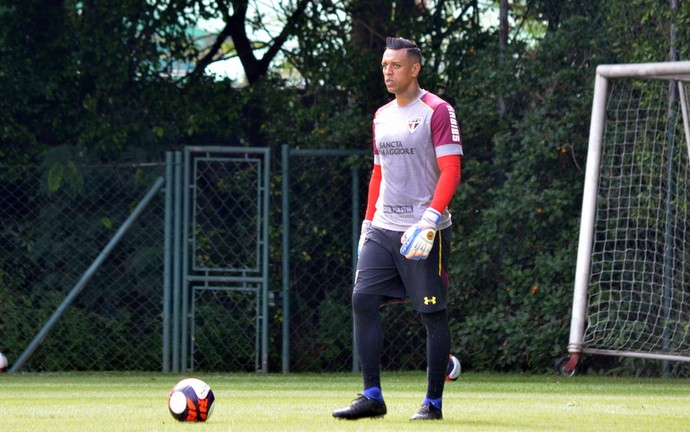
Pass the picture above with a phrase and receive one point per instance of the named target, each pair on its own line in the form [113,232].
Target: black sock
[368,337]
[437,350]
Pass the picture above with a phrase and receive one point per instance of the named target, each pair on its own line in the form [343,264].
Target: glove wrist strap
[432,216]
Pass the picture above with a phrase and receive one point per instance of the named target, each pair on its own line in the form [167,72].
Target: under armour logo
[430,300]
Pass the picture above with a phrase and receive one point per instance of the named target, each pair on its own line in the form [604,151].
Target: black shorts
[382,270]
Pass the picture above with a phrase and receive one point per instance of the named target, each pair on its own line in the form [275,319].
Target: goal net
[632,283]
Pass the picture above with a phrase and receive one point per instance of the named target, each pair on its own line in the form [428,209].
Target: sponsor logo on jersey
[454,127]
[392,148]
[397,209]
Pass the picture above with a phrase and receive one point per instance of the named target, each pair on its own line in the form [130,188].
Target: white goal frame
[676,73]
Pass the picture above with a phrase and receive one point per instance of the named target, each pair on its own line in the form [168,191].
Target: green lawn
[303,402]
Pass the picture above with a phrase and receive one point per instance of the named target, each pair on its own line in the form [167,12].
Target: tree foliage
[110,76]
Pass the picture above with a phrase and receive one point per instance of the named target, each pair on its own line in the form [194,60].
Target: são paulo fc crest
[413,123]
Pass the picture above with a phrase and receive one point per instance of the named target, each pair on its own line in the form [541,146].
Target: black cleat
[362,407]
[428,412]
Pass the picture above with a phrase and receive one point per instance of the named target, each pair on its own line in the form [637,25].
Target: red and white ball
[191,400]
[454,368]
[3,363]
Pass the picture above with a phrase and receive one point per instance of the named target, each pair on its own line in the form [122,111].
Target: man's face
[399,70]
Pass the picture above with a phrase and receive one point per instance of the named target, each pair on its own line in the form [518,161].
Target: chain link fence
[55,221]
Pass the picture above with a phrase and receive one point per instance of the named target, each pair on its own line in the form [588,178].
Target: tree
[235,19]
[65,81]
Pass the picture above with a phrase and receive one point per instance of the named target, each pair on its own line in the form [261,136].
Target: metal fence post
[177,264]
[356,218]
[285,158]
[167,261]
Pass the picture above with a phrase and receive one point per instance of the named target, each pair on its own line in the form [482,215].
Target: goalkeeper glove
[366,226]
[419,238]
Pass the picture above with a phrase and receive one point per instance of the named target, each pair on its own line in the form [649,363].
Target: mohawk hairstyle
[396,43]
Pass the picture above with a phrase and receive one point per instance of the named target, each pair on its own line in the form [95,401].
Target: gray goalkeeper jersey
[407,140]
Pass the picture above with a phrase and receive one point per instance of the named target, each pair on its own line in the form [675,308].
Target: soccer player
[405,239]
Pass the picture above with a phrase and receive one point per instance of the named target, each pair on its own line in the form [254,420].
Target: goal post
[631,294]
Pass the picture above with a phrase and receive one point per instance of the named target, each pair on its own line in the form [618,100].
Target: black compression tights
[369,340]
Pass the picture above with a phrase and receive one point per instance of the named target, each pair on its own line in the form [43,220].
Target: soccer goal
[632,283]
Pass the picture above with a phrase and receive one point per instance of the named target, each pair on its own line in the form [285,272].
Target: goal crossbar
[666,70]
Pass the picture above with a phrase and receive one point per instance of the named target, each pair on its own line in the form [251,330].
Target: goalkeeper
[405,239]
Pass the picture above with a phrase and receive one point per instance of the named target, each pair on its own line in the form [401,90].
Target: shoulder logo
[413,123]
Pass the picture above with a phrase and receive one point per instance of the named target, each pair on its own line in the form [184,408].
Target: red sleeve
[448,181]
[374,189]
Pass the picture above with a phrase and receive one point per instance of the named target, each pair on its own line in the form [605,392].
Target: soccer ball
[3,363]
[453,370]
[191,400]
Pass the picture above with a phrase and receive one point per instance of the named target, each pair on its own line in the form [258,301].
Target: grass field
[117,401]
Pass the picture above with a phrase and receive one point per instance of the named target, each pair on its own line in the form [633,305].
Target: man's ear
[415,69]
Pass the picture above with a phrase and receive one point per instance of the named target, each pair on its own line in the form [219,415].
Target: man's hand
[419,238]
